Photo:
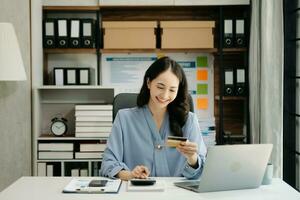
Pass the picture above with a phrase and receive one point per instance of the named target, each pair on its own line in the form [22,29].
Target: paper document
[159,186]
[80,185]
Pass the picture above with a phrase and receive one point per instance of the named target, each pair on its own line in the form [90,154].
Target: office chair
[128,100]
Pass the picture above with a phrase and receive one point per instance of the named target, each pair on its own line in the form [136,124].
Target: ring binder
[240,33]
[49,32]
[75,33]
[240,82]
[228,82]
[87,33]
[63,33]
[228,33]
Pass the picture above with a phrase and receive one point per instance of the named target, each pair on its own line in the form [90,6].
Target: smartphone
[142,182]
[97,183]
[174,141]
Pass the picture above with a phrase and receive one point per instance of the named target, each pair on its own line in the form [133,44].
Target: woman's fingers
[188,148]
[140,171]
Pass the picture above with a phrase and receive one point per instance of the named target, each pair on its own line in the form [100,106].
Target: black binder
[70,76]
[75,39]
[49,33]
[240,39]
[228,33]
[228,81]
[62,33]
[240,88]
[87,33]
[83,75]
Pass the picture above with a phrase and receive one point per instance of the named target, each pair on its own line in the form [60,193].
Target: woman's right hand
[139,171]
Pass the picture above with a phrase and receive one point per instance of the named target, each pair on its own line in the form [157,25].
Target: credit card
[174,141]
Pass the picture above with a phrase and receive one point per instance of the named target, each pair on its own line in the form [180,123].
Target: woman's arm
[112,162]
[194,149]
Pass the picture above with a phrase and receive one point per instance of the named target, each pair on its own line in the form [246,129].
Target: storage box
[187,34]
[129,34]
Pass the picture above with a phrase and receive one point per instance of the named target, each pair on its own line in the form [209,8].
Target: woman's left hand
[190,151]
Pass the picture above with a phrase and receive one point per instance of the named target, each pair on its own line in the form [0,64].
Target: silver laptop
[231,167]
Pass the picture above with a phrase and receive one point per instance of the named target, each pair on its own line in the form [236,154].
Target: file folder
[228,82]
[49,30]
[62,29]
[58,76]
[240,39]
[70,77]
[83,76]
[228,33]
[87,33]
[240,82]
[75,41]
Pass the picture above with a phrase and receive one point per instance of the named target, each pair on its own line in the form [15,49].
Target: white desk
[50,188]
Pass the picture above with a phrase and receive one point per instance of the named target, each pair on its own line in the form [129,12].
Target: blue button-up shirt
[135,140]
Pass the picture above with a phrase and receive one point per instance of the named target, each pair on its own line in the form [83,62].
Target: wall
[15,101]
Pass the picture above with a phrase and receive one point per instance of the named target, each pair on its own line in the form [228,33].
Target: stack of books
[45,169]
[79,172]
[91,150]
[54,151]
[93,120]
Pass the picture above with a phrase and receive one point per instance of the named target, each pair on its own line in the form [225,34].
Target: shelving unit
[230,112]
[50,101]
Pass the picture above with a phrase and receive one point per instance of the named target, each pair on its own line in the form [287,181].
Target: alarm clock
[58,126]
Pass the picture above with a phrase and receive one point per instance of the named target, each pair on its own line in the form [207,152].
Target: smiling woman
[137,144]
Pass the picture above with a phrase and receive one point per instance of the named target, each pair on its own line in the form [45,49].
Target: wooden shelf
[70,50]
[94,51]
[234,49]
[70,8]
[69,160]
[212,50]
[230,98]
[84,87]
[234,136]
[68,137]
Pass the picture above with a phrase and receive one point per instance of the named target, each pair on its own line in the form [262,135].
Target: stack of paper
[159,186]
[91,150]
[93,120]
[54,150]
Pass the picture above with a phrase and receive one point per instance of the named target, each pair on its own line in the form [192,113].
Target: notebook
[231,167]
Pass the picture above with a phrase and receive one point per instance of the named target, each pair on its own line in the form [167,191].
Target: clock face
[58,128]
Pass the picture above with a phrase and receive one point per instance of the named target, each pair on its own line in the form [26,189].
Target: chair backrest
[128,100]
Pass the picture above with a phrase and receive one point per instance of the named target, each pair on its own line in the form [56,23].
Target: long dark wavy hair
[177,109]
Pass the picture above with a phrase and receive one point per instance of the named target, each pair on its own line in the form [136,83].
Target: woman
[137,147]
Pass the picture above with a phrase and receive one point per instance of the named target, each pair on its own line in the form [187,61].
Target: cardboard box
[187,34]
[129,34]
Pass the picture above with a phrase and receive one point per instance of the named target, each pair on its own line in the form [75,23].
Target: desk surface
[50,188]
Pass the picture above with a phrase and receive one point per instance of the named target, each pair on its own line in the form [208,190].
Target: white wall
[15,102]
